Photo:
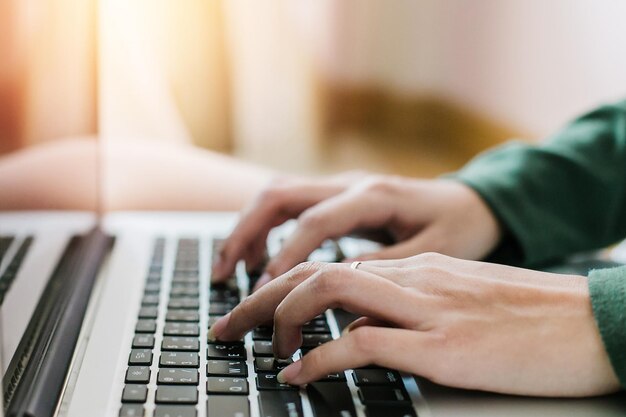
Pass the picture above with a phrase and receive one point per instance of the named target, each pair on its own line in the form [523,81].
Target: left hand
[459,323]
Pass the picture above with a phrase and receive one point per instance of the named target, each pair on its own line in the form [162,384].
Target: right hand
[442,216]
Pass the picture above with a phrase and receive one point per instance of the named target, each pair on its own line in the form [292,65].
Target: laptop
[107,315]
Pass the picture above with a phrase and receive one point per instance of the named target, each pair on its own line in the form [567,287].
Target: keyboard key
[185,280]
[226,368]
[178,376]
[381,395]
[225,385]
[330,399]
[315,329]
[226,351]
[337,376]
[148,312]
[173,394]
[313,339]
[213,319]
[138,374]
[263,348]
[262,333]
[228,406]
[220,308]
[280,404]
[186,303]
[140,357]
[182,315]
[376,377]
[267,364]
[179,360]
[269,382]
[143,341]
[145,326]
[175,411]
[153,288]
[393,411]
[224,296]
[181,329]
[149,300]
[131,410]
[134,393]
[185,291]
[189,344]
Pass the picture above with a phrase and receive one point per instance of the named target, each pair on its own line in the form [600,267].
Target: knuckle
[364,341]
[379,184]
[311,220]
[326,281]
[281,315]
[429,258]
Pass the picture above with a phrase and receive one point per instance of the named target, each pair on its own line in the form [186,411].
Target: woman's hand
[418,215]
[459,323]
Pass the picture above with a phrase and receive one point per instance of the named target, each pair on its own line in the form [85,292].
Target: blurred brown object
[423,135]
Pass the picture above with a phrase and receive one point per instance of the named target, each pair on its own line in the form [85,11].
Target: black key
[262,333]
[376,377]
[178,376]
[134,393]
[182,315]
[225,385]
[263,348]
[138,374]
[143,341]
[316,329]
[185,303]
[228,406]
[337,376]
[189,344]
[268,364]
[219,308]
[175,411]
[145,326]
[381,395]
[150,300]
[280,404]
[131,410]
[173,394]
[224,296]
[315,339]
[226,351]
[226,368]
[140,357]
[393,411]
[330,399]
[269,382]
[181,329]
[179,360]
[152,288]
[148,312]
[185,291]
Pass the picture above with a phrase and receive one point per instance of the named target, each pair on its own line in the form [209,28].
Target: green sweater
[566,196]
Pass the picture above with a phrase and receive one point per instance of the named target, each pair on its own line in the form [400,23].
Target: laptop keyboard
[8,274]
[238,378]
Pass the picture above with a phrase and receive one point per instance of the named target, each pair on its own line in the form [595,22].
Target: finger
[406,350]
[259,307]
[424,241]
[336,286]
[272,208]
[365,321]
[331,218]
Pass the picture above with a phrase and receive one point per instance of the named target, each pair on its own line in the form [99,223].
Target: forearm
[565,196]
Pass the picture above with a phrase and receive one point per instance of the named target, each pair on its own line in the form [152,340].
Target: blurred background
[414,87]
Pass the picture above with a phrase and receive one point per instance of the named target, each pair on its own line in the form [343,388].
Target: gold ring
[355,264]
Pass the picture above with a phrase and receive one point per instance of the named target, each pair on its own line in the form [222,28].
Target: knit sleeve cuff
[607,288]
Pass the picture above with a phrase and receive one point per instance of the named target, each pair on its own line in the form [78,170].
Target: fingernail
[346,330]
[288,375]
[264,279]
[218,328]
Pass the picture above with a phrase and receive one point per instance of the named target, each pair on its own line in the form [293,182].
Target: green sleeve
[564,196]
[607,288]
